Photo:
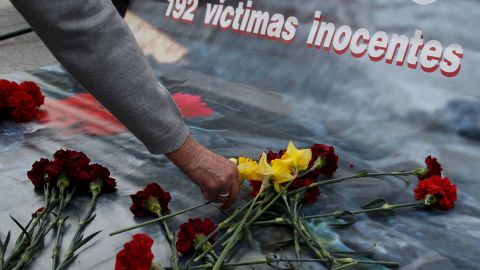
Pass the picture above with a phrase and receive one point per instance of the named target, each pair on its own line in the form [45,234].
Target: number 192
[182,9]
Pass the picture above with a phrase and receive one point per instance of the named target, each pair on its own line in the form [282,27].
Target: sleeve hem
[171,142]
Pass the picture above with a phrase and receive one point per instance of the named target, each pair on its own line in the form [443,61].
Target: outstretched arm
[91,40]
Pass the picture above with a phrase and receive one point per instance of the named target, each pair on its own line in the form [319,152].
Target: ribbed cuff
[171,142]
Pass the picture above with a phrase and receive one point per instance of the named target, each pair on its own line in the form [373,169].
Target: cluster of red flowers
[137,254]
[73,165]
[20,102]
[330,165]
[441,190]
[152,191]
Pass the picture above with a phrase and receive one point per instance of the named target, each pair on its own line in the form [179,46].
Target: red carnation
[146,201]
[444,192]
[6,89]
[274,155]
[329,160]
[21,106]
[54,169]
[101,173]
[37,174]
[76,164]
[433,167]
[38,212]
[136,254]
[34,91]
[255,185]
[311,194]
[192,232]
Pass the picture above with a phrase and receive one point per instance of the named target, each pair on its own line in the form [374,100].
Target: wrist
[184,155]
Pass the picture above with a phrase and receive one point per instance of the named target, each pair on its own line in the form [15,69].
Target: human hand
[214,174]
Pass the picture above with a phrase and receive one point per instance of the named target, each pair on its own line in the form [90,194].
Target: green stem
[212,246]
[156,220]
[277,221]
[323,251]
[270,203]
[386,263]
[361,211]
[301,231]
[29,251]
[78,236]
[58,237]
[171,241]
[296,241]
[341,179]
[37,226]
[255,262]
[352,262]
[233,239]
[223,225]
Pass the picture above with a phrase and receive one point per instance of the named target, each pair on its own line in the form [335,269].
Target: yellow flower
[279,171]
[249,169]
[297,158]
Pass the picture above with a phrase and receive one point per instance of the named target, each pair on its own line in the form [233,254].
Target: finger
[205,195]
[211,193]
[224,194]
[234,192]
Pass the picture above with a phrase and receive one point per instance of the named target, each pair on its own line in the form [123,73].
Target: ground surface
[24,52]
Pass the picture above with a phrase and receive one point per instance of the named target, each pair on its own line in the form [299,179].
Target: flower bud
[345,260]
[386,206]
[338,214]
[153,205]
[224,225]
[201,238]
[319,163]
[279,220]
[63,182]
[421,172]
[156,266]
[96,187]
[430,199]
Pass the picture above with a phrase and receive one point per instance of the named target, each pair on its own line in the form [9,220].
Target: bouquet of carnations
[67,175]
[20,102]
[281,184]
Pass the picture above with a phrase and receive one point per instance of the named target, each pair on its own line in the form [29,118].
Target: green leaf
[375,203]
[5,244]
[67,262]
[84,241]
[348,218]
[348,254]
[249,235]
[21,227]
[89,220]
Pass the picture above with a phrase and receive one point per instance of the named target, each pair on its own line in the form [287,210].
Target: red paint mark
[83,114]
[191,105]
[79,114]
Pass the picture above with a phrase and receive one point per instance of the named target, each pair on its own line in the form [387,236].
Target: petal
[265,168]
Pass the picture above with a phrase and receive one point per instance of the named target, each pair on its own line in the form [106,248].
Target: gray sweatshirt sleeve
[94,44]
